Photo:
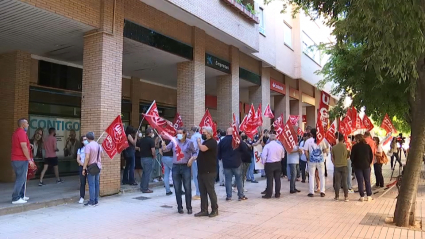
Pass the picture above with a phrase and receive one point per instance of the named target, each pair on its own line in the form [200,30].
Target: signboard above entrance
[277,86]
[217,63]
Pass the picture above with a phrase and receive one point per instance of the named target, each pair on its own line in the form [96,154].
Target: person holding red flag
[181,168]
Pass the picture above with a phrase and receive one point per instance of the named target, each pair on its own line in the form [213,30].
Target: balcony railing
[244,10]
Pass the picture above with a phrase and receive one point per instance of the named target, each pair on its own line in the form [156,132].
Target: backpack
[316,155]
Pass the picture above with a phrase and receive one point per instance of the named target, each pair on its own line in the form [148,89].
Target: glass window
[262,29]
[287,35]
[310,49]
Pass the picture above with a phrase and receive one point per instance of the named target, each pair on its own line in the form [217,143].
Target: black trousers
[206,188]
[303,166]
[340,177]
[378,174]
[283,167]
[273,171]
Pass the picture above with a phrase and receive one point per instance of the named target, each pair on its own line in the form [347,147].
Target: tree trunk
[404,213]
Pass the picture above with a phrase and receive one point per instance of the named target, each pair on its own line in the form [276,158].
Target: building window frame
[261,26]
[287,29]
[309,48]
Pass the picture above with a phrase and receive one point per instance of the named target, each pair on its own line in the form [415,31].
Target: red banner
[153,110]
[294,119]
[387,139]
[161,125]
[300,132]
[387,125]
[268,112]
[278,128]
[259,116]
[116,131]
[236,139]
[323,114]
[359,122]
[278,122]
[208,121]
[289,137]
[320,134]
[367,123]
[330,134]
[304,118]
[177,122]
[351,119]
[250,123]
[109,146]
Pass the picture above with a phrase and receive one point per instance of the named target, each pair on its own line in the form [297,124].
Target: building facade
[76,65]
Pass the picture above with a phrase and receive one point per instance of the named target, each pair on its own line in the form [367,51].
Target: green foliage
[250,8]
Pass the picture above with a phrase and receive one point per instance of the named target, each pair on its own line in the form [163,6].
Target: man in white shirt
[271,157]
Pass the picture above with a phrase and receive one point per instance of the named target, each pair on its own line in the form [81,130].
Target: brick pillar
[261,94]
[102,86]
[191,82]
[15,68]
[228,93]
[135,102]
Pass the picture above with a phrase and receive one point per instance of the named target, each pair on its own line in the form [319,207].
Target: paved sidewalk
[137,215]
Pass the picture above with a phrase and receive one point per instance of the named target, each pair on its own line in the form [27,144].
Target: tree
[380,46]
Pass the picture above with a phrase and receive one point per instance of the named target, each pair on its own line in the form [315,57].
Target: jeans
[340,174]
[228,174]
[273,172]
[220,172]
[250,173]
[350,170]
[363,177]
[181,175]
[195,177]
[303,166]
[292,171]
[206,187]
[395,155]
[83,179]
[312,176]
[168,166]
[378,174]
[289,173]
[147,165]
[245,167]
[94,181]
[21,170]
[130,163]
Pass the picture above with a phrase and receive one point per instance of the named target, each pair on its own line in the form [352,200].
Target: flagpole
[97,141]
[140,125]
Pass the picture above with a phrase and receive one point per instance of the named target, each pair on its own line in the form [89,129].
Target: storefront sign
[249,76]
[277,86]
[63,126]
[217,63]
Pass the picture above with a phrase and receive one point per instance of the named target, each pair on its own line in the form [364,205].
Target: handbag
[93,169]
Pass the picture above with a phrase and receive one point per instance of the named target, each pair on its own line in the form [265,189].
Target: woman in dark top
[129,155]
[138,165]
[361,159]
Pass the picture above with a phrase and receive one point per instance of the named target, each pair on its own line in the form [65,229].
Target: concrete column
[261,94]
[15,68]
[311,116]
[300,104]
[228,93]
[280,106]
[102,86]
[135,102]
[191,82]
[297,46]
[287,102]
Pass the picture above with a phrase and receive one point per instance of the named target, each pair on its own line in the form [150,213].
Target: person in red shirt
[20,157]
[50,148]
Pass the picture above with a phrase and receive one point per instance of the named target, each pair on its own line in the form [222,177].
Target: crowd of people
[208,160]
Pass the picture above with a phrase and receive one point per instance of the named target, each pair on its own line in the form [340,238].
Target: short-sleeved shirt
[50,146]
[18,137]
[315,151]
[293,157]
[95,151]
[82,153]
[146,145]
[303,157]
[207,161]
[340,154]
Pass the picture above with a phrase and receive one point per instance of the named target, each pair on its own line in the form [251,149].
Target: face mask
[140,135]
[86,142]
[179,136]
[26,129]
[204,137]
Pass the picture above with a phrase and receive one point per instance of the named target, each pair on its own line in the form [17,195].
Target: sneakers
[245,190]
[350,191]
[234,189]
[243,198]
[59,181]
[169,193]
[19,201]
[322,195]
[361,199]
[41,184]
[26,198]
[346,200]
[81,201]
[336,199]
[196,197]
[89,204]
[369,198]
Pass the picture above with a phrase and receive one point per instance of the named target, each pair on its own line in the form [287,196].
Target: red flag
[250,123]
[352,118]
[323,114]
[278,128]
[320,135]
[359,122]
[388,125]
[268,112]
[208,121]
[330,134]
[153,110]
[161,125]
[32,169]
[259,116]
[109,146]
[294,119]
[344,128]
[300,132]
[236,140]
[117,133]
[367,123]
[278,122]
[289,137]
[177,122]
[387,139]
